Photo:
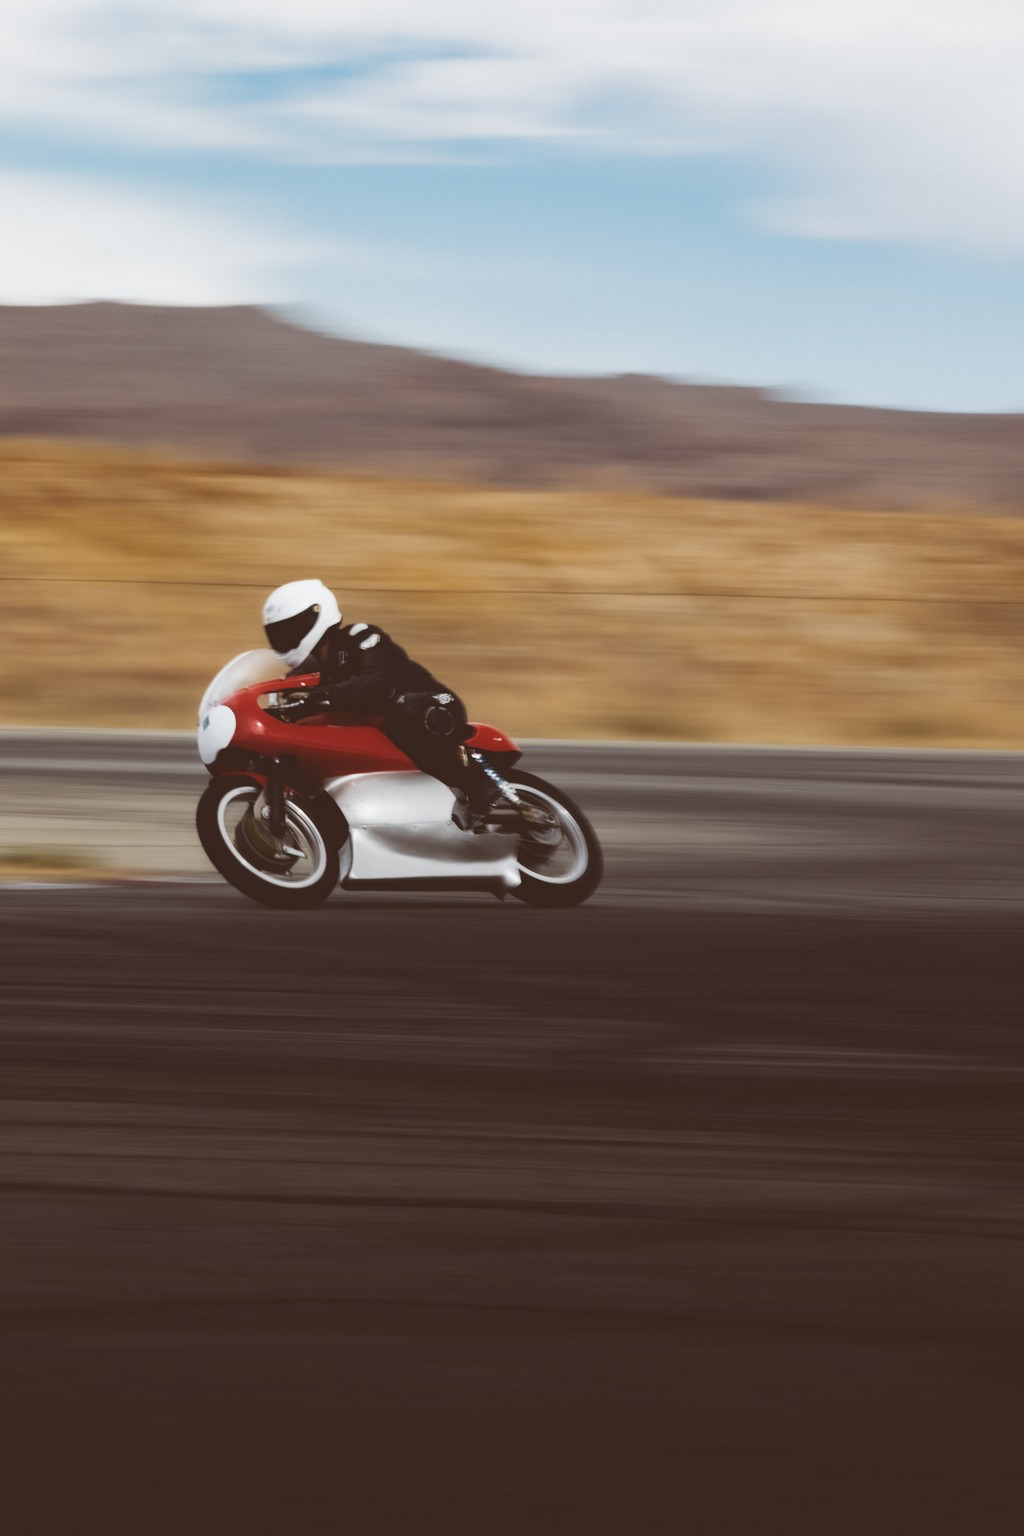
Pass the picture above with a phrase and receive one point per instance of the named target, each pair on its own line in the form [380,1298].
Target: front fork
[269,807]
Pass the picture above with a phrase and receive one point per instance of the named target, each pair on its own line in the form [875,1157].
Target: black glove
[312,703]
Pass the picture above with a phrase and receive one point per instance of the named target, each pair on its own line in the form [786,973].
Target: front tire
[299,870]
[562,865]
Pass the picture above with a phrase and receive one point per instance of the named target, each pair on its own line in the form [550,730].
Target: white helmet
[297,616]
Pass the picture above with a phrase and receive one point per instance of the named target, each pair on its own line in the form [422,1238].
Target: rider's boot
[474,806]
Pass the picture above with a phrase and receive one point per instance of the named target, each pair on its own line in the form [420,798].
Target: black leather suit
[365,672]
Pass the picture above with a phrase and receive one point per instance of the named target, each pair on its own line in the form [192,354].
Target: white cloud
[65,239]
[890,119]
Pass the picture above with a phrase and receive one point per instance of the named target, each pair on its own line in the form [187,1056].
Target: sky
[821,197]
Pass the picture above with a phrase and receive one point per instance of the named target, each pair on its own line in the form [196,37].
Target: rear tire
[560,873]
[300,873]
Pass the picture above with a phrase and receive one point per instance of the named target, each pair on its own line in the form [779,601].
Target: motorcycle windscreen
[242,671]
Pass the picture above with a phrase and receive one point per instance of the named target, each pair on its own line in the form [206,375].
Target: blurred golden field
[129,577]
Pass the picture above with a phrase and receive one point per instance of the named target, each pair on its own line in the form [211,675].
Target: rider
[363,671]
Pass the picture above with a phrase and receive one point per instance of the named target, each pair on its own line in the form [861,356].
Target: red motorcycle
[300,802]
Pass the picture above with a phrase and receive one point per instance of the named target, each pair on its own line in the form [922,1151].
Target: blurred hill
[240,384]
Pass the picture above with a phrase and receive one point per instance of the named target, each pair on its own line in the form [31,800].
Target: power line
[687,595]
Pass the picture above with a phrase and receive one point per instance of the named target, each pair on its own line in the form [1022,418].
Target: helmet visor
[288,634]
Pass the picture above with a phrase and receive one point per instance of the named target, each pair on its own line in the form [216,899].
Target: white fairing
[216,731]
[392,799]
[217,722]
[401,828]
[241,672]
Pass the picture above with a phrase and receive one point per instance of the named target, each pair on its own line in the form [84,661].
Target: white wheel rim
[572,835]
[302,833]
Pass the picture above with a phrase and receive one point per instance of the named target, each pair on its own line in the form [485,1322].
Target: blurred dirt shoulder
[129,576]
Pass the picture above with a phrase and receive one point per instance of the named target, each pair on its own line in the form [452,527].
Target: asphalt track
[697,1209]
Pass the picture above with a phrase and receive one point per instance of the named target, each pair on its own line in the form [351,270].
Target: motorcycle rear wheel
[560,868]
[298,871]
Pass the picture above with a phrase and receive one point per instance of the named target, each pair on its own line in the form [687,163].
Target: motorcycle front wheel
[300,869]
[559,856]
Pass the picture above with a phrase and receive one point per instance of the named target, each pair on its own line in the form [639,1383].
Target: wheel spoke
[557,860]
[294,861]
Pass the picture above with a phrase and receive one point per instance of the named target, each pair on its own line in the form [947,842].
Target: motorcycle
[302,800]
